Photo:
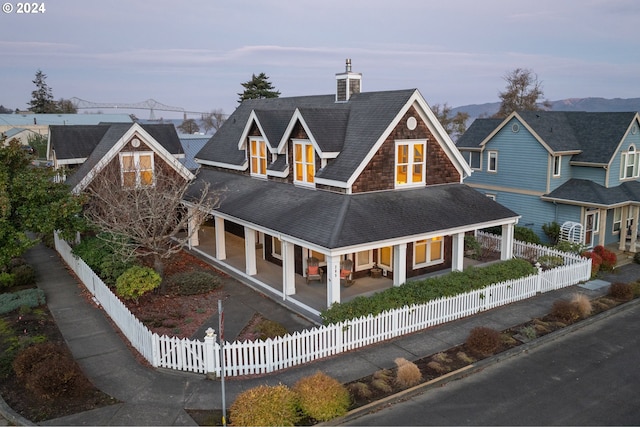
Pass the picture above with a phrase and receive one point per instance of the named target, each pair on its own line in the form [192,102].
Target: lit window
[557,163]
[385,257]
[304,161]
[492,161]
[629,163]
[258,155]
[410,162]
[428,252]
[318,255]
[136,169]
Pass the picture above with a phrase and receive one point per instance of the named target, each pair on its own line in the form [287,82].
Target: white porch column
[193,229]
[602,213]
[506,246]
[288,269]
[457,252]
[623,228]
[399,264]
[634,228]
[221,250]
[333,280]
[250,252]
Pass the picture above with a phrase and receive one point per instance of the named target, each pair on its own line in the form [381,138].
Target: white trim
[303,144]
[259,140]
[428,245]
[411,143]
[154,145]
[489,153]
[242,167]
[297,116]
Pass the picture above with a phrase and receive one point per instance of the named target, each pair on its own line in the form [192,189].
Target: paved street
[588,377]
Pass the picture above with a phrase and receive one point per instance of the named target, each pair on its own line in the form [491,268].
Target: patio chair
[313,270]
[346,273]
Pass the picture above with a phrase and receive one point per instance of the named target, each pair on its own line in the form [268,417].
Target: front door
[590,228]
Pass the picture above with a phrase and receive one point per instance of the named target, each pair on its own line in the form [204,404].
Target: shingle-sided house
[579,169]
[136,151]
[367,176]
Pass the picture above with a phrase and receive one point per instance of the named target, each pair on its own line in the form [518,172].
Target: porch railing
[258,357]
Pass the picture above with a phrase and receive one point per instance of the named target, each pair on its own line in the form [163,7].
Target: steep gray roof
[75,142]
[595,135]
[335,220]
[588,192]
[351,127]
[162,133]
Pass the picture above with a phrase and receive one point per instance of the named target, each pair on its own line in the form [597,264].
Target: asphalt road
[588,377]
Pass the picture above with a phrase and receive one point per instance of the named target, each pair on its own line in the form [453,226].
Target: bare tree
[456,125]
[189,126]
[213,120]
[522,93]
[149,220]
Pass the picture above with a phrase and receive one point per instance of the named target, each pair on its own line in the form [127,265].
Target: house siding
[614,175]
[516,153]
[379,174]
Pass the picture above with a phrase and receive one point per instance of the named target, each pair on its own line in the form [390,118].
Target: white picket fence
[258,357]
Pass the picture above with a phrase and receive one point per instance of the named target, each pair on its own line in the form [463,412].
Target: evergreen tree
[258,87]
[42,98]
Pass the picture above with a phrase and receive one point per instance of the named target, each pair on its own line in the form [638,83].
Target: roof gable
[353,129]
[591,137]
[112,142]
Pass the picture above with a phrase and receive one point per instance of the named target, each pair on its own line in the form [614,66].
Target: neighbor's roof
[594,135]
[62,119]
[78,142]
[586,192]
[335,220]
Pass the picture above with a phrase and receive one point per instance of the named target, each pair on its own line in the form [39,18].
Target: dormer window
[258,157]
[136,169]
[304,162]
[410,162]
[629,163]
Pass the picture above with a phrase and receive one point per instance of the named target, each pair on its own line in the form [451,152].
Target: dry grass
[582,304]
[438,367]
[360,389]
[408,373]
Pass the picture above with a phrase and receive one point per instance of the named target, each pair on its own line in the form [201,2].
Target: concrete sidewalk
[159,397]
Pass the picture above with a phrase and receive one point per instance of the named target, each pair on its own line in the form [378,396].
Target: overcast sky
[195,54]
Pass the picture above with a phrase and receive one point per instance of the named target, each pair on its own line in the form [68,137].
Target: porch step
[623,257]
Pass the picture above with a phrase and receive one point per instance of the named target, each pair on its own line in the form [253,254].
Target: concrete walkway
[159,397]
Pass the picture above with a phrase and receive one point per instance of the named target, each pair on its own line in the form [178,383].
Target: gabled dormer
[347,83]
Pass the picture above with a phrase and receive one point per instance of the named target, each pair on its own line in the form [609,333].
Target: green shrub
[99,255]
[483,341]
[193,282]
[525,234]
[423,291]
[621,291]
[574,248]
[137,281]
[6,280]
[265,406]
[552,231]
[49,370]
[550,261]
[27,297]
[322,397]
[23,275]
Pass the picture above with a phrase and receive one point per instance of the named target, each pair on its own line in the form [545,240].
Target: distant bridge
[150,104]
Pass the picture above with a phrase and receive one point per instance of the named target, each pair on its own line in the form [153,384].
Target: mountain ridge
[590,104]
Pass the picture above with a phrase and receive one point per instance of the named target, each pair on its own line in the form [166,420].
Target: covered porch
[309,298]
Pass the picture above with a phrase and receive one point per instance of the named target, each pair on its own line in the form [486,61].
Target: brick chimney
[347,83]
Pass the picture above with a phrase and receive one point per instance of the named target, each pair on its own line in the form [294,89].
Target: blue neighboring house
[579,169]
